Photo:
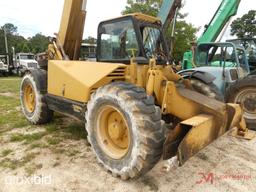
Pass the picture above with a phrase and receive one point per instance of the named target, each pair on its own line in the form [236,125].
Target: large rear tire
[124,129]
[33,102]
[209,90]
[244,92]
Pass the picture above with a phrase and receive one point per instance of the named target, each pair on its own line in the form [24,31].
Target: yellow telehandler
[135,108]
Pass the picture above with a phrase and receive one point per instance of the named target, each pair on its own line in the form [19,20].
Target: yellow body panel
[76,79]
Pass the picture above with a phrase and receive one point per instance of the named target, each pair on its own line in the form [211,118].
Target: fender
[40,77]
[201,75]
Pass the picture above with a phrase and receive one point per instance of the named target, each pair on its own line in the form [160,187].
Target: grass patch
[34,137]
[29,157]
[31,168]
[52,127]
[6,152]
[28,138]
[38,145]
[10,84]
[75,131]
[72,152]
[17,137]
[9,115]
[5,129]
[10,163]
[57,150]
[53,140]
[15,163]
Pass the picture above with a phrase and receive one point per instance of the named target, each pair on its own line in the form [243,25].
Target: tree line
[36,44]
[185,33]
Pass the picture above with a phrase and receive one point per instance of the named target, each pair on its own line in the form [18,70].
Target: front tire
[124,129]
[33,102]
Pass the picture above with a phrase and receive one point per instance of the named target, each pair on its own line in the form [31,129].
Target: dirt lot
[57,157]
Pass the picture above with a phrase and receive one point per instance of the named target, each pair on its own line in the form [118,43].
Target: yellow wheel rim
[112,132]
[29,98]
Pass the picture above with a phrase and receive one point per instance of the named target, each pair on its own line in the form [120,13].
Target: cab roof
[140,17]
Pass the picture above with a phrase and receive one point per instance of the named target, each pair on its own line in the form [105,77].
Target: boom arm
[226,10]
[69,38]
[168,11]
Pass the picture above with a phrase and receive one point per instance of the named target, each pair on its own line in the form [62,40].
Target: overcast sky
[34,16]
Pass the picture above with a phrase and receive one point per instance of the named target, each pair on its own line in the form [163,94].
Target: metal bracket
[248,134]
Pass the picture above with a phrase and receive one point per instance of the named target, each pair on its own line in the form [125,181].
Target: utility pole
[6,46]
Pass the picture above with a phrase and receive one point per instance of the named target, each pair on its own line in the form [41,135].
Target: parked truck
[4,68]
[6,64]
[24,62]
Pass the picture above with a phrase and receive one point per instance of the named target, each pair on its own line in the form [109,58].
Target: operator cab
[134,35]
[223,55]
[249,45]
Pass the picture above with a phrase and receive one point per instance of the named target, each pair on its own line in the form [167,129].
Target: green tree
[38,43]
[150,7]
[245,26]
[185,33]
[13,38]
[10,28]
[90,40]
[25,48]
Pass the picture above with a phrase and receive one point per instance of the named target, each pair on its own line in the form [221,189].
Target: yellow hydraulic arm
[68,41]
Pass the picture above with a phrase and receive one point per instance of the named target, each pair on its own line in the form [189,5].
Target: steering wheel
[133,52]
[160,55]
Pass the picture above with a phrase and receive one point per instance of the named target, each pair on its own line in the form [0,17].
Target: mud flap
[238,123]
[202,132]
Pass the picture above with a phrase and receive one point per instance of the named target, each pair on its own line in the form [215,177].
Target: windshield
[27,57]
[249,46]
[118,41]
[221,55]
[123,39]
[153,43]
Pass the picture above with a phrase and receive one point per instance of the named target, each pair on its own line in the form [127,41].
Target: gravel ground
[228,164]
